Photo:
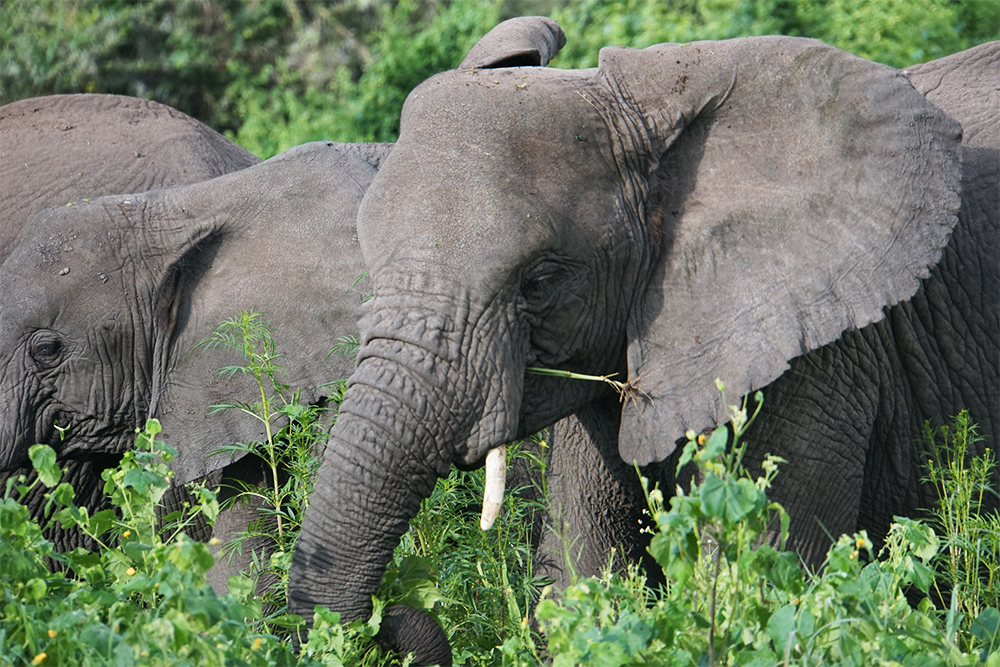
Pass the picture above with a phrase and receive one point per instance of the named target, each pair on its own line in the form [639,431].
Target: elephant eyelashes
[45,348]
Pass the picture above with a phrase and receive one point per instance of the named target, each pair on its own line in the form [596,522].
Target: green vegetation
[732,599]
[293,436]
[272,74]
[887,31]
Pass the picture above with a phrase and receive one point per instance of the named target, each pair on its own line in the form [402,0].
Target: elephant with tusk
[771,211]
[111,340]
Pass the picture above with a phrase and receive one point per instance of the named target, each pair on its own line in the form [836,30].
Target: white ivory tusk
[496,478]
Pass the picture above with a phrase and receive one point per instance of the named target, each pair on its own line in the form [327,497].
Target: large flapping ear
[279,238]
[177,242]
[526,41]
[796,190]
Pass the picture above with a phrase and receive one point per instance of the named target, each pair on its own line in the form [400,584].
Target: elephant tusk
[496,478]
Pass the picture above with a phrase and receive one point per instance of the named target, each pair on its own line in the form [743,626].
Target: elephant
[104,349]
[770,211]
[62,149]
[584,447]
[106,301]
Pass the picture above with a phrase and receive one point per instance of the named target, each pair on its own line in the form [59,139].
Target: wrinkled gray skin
[865,394]
[112,341]
[680,213]
[62,149]
[104,303]
[67,148]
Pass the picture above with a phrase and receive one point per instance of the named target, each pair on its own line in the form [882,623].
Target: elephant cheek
[26,418]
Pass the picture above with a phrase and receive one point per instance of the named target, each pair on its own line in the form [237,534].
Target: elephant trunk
[365,495]
[401,426]
[430,390]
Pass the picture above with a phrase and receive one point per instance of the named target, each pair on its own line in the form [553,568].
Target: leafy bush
[732,597]
[276,73]
[969,562]
[142,599]
[279,111]
[733,600]
[895,33]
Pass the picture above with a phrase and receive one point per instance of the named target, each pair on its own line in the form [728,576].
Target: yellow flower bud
[52,634]
[38,659]
[256,644]
[126,533]
[130,571]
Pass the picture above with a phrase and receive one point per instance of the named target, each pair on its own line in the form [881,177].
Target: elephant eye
[531,289]
[541,286]
[46,348]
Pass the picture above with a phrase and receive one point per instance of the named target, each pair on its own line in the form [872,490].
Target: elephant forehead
[522,115]
[59,271]
[490,164]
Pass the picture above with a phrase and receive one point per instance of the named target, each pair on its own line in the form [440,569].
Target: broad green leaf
[140,479]
[716,443]
[43,459]
[729,499]
[986,628]
[781,628]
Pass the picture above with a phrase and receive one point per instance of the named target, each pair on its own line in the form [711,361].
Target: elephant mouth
[86,439]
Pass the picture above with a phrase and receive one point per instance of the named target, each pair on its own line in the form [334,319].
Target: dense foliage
[731,599]
[276,73]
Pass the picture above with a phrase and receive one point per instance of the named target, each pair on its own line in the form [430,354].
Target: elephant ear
[793,191]
[176,253]
[235,243]
[526,41]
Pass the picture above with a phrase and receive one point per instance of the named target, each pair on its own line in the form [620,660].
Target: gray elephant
[105,302]
[63,149]
[761,210]
[836,499]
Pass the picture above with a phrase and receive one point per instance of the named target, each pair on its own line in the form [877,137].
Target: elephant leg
[821,416]
[597,507]
[230,522]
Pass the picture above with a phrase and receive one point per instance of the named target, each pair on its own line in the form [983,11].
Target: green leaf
[986,628]
[43,459]
[729,499]
[141,479]
[102,521]
[716,443]
[781,628]
[35,589]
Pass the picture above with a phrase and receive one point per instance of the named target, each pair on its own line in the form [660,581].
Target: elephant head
[105,302]
[677,214]
[67,148]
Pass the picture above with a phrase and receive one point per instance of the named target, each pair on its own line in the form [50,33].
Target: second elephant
[106,301]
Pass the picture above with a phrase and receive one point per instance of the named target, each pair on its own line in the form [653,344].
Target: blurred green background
[272,74]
